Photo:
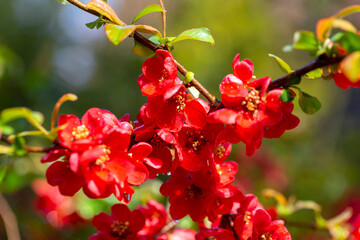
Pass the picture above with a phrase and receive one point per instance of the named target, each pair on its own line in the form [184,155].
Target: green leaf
[348,40]
[317,73]
[309,104]
[18,146]
[305,40]
[293,80]
[5,129]
[4,165]
[283,65]
[348,10]
[149,9]
[199,34]
[117,34]
[140,50]
[104,9]
[11,114]
[63,1]
[6,150]
[287,95]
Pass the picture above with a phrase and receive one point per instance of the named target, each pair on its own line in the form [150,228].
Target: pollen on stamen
[119,227]
[80,132]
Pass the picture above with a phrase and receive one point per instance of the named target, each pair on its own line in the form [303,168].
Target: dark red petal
[140,150]
[137,220]
[341,81]
[261,220]
[121,213]
[103,222]
[153,69]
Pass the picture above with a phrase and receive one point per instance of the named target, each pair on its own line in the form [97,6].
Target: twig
[147,43]
[283,81]
[163,14]
[28,148]
[9,219]
[321,61]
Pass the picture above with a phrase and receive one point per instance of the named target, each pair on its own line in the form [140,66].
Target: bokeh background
[46,51]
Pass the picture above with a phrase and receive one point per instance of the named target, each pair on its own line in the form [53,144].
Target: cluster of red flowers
[177,135]
[60,211]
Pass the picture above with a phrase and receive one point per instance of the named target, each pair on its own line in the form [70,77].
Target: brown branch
[29,148]
[9,218]
[152,46]
[320,62]
[281,82]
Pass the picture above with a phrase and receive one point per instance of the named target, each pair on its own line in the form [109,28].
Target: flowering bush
[184,140]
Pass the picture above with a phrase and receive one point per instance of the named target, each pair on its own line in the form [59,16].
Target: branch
[152,46]
[28,148]
[321,61]
[9,220]
[281,82]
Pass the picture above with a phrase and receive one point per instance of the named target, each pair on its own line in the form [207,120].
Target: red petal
[121,213]
[224,115]
[103,222]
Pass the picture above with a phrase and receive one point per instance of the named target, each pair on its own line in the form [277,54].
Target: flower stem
[163,14]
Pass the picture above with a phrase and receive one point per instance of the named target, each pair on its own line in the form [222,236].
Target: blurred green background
[46,51]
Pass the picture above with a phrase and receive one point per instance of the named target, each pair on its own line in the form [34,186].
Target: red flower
[178,234]
[170,111]
[96,156]
[343,82]
[215,233]
[159,74]
[59,210]
[265,229]
[155,218]
[250,114]
[121,224]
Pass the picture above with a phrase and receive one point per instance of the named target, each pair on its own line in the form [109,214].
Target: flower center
[164,75]
[195,140]
[157,142]
[219,151]
[80,132]
[119,227]
[252,101]
[179,101]
[100,161]
[247,217]
[266,236]
[192,192]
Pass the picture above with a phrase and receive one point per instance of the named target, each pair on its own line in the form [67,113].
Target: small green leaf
[309,104]
[149,9]
[283,65]
[317,73]
[6,150]
[141,50]
[18,146]
[117,34]
[348,40]
[189,76]
[305,40]
[293,80]
[348,10]
[199,34]
[104,9]
[4,165]
[11,114]
[287,95]
[5,129]
[63,1]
